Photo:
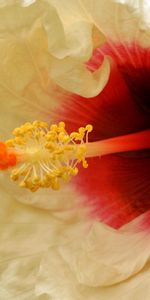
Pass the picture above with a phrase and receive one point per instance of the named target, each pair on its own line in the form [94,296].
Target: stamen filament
[125,143]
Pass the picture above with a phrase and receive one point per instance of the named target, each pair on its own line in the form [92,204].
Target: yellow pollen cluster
[46,156]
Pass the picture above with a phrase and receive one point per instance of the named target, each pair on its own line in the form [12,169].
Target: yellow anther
[51,136]
[39,124]
[62,125]
[66,139]
[73,135]
[82,130]
[16,131]
[18,140]
[74,171]
[50,145]
[15,174]
[89,128]
[10,143]
[76,136]
[66,177]
[84,164]
[81,152]
[48,156]
[61,135]
[54,127]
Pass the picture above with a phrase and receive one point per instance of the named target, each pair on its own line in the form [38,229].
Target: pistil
[42,157]
[130,142]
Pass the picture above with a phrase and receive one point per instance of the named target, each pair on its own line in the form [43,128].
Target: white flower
[53,54]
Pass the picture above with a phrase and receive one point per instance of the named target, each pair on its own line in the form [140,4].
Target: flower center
[46,156]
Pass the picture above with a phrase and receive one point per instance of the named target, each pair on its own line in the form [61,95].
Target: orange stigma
[7,158]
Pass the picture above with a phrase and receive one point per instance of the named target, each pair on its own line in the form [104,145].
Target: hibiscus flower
[80,62]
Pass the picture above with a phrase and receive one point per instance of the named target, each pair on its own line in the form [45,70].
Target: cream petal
[69,70]
[137,287]
[94,261]
[26,232]
[25,235]
[94,255]
[77,27]
[57,281]
[121,21]
[66,24]
[63,285]
[75,77]
[24,81]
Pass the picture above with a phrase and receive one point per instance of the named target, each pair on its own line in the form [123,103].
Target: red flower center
[116,186]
